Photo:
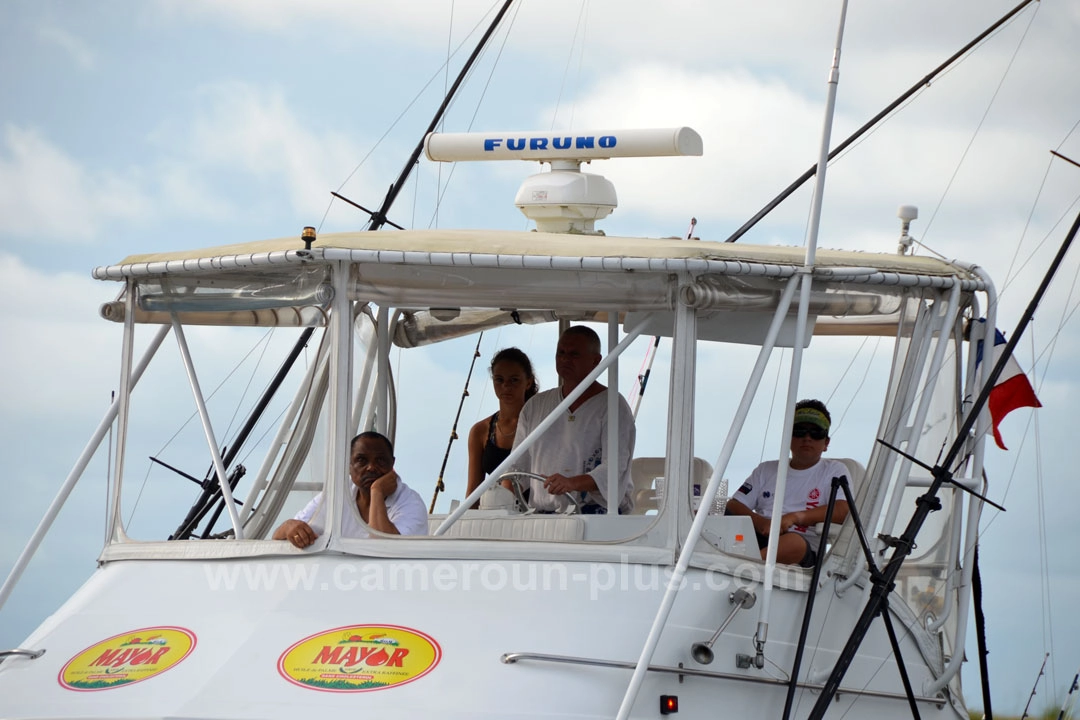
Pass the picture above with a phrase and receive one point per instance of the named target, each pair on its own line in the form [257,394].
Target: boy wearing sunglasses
[806,497]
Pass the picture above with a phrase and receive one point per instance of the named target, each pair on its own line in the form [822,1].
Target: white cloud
[66,365]
[83,55]
[44,193]
[246,129]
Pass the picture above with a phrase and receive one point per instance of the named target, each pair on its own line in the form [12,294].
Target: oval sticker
[127,658]
[359,658]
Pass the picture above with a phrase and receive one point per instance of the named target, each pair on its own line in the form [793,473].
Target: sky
[158,125]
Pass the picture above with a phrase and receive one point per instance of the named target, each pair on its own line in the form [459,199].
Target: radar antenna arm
[883,585]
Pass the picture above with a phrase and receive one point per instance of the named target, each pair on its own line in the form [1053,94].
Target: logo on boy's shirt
[746,488]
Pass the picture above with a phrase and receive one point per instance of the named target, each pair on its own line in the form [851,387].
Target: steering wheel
[534,476]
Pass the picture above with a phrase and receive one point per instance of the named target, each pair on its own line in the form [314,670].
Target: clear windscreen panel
[921,420]
[247,379]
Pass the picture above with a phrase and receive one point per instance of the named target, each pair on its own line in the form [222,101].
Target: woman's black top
[493,454]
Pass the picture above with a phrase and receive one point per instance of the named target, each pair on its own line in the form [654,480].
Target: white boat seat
[543,528]
[644,470]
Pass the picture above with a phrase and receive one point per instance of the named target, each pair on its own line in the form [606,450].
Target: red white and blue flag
[1013,389]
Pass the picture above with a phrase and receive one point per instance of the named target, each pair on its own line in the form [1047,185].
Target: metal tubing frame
[208,430]
[278,443]
[613,497]
[338,453]
[914,430]
[76,473]
[115,523]
[363,391]
[762,632]
[680,439]
[706,500]
[899,406]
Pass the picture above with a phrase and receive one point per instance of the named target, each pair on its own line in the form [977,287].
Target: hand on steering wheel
[534,476]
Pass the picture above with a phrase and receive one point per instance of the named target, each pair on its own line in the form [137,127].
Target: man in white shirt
[572,454]
[806,495]
[384,502]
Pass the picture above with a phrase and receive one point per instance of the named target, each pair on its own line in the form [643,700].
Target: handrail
[20,652]
[515,657]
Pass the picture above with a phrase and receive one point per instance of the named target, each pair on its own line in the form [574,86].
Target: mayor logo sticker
[128,658]
[359,658]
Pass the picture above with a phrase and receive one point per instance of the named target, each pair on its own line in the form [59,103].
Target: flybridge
[564,199]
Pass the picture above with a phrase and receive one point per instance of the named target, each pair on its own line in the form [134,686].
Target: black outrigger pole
[872,122]
[378,218]
[882,583]
[212,492]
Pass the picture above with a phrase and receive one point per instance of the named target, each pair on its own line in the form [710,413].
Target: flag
[1012,390]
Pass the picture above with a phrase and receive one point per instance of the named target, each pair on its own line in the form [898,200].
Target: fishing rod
[643,376]
[883,582]
[980,634]
[771,205]
[1070,698]
[1042,669]
[439,484]
[638,392]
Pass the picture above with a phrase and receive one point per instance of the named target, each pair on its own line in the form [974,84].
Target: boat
[668,608]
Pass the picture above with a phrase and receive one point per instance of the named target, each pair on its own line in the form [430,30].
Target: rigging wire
[441,195]
[1048,353]
[772,404]
[146,478]
[581,61]
[923,89]
[579,27]
[1044,546]
[251,378]
[442,120]
[402,114]
[975,134]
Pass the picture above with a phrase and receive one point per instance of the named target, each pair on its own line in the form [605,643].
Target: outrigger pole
[883,582]
[378,218]
[873,122]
